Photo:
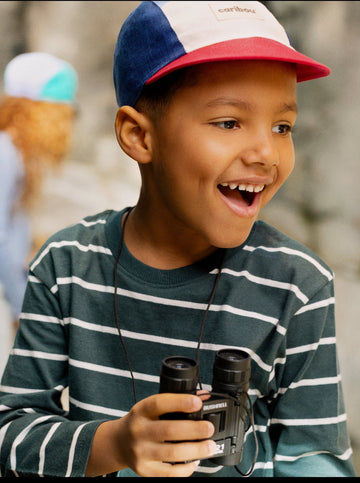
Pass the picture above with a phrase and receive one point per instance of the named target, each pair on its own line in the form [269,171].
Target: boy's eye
[282,129]
[229,124]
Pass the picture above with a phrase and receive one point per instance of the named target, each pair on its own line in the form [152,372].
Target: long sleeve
[308,420]
[37,437]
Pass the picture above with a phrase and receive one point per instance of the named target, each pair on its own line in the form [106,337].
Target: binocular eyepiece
[227,406]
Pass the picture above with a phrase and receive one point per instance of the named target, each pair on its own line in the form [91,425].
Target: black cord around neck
[212,295]
[116,303]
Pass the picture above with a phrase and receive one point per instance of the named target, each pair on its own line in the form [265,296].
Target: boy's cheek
[283,173]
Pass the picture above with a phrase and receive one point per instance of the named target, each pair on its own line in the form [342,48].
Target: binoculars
[227,405]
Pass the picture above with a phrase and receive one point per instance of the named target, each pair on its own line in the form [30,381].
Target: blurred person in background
[36,118]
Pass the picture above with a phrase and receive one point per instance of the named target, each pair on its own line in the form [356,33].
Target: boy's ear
[133,133]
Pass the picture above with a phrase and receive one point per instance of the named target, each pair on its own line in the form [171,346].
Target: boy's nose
[262,150]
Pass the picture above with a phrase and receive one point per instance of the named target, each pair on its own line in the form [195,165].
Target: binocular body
[226,406]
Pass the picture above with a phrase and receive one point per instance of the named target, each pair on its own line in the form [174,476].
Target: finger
[170,470]
[159,404]
[183,430]
[183,469]
[203,394]
[187,451]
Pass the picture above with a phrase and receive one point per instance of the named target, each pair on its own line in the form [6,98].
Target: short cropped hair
[156,97]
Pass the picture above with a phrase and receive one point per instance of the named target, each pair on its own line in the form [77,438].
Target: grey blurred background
[319,204]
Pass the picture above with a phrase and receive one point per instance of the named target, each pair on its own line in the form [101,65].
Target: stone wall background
[319,204]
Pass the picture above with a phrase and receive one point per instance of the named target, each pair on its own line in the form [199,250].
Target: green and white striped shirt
[274,300]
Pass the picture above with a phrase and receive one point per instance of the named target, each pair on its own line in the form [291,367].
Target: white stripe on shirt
[344,456]
[75,243]
[291,251]
[72,450]
[97,409]
[21,436]
[267,282]
[316,305]
[51,431]
[310,421]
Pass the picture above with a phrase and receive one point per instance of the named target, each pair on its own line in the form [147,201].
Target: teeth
[257,189]
[243,187]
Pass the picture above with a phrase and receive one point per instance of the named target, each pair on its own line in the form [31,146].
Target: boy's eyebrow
[289,107]
[245,105]
[227,101]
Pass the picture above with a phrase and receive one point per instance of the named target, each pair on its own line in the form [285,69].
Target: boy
[207,101]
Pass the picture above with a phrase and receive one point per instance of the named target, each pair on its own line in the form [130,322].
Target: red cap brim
[253,48]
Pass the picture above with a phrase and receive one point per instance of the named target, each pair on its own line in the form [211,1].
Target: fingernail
[212,446]
[196,403]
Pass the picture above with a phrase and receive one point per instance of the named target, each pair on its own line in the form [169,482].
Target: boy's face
[222,150]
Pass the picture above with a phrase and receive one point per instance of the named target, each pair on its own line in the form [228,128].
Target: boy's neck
[154,244]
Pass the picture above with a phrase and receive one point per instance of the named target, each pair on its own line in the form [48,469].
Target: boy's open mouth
[243,194]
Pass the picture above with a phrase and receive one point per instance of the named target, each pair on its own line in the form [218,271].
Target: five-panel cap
[40,76]
[160,37]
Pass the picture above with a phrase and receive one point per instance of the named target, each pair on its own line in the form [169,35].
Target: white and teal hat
[41,77]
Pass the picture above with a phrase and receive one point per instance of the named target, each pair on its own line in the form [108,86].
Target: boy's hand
[148,445]
[153,444]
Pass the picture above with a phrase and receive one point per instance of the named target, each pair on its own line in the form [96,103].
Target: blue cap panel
[146,43]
